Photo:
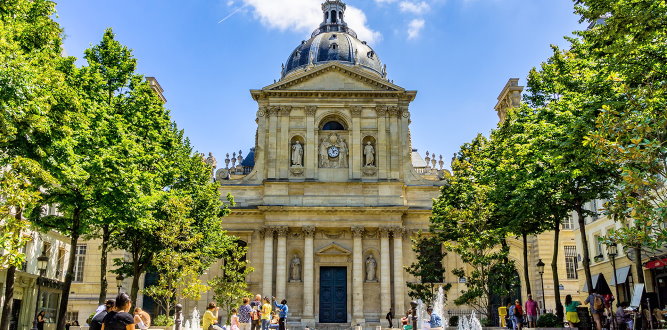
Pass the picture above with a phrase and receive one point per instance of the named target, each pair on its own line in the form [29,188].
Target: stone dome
[334,41]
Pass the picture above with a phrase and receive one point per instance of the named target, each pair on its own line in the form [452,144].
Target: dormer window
[370,54]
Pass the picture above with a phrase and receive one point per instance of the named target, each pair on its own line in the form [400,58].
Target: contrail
[233,13]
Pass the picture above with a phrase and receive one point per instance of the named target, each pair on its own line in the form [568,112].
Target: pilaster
[399,283]
[358,276]
[272,147]
[382,142]
[355,143]
[308,317]
[281,263]
[284,143]
[311,142]
[267,280]
[385,275]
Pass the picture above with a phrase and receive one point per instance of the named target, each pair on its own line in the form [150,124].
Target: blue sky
[208,54]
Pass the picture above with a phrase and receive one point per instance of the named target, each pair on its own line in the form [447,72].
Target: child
[275,321]
[234,320]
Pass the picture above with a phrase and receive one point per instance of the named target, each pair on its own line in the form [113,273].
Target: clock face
[333,152]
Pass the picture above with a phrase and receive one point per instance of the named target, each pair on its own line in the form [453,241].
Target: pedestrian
[282,309]
[245,317]
[40,320]
[596,306]
[571,315]
[390,317]
[256,305]
[234,320]
[211,317]
[405,321]
[531,311]
[96,321]
[141,319]
[119,318]
[266,313]
[435,322]
[623,319]
[518,315]
[510,316]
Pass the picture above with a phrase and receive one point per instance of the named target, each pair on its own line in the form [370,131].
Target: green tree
[631,51]
[231,286]
[428,268]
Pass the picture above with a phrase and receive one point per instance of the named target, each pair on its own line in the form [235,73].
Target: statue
[343,153]
[295,269]
[371,266]
[211,161]
[297,154]
[369,153]
[324,157]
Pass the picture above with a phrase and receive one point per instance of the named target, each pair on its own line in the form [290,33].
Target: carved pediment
[334,76]
[333,249]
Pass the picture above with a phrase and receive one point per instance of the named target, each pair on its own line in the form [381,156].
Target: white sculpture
[211,161]
[324,157]
[369,153]
[333,152]
[371,267]
[297,154]
[295,269]
[343,153]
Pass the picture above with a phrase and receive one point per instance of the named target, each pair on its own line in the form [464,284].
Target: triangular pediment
[334,76]
[333,249]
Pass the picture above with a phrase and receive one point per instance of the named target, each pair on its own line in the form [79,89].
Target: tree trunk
[554,270]
[9,298]
[69,274]
[639,268]
[106,233]
[134,291]
[526,273]
[586,263]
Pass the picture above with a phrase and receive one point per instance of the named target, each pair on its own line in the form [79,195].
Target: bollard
[179,317]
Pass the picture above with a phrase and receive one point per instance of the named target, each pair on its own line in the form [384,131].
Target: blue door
[333,295]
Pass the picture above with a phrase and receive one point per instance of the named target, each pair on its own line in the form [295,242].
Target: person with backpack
[518,315]
[596,305]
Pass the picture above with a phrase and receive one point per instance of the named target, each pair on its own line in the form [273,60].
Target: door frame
[348,289]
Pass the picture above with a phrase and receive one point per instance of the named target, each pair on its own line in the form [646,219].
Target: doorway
[333,295]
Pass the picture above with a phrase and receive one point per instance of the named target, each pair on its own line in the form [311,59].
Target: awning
[621,275]
[599,283]
[656,263]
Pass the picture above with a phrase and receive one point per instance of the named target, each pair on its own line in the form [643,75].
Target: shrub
[163,321]
[454,321]
[549,320]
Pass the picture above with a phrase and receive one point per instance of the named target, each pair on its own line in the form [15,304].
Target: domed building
[333,199]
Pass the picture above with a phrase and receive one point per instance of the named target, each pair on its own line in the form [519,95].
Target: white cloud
[416,8]
[306,16]
[230,3]
[415,27]
[385,1]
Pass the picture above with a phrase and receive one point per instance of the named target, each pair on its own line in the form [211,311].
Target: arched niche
[371,264]
[297,149]
[369,155]
[295,266]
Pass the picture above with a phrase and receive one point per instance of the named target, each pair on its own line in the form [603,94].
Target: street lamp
[612,252]
[540,269]
[42,264]
[119,282]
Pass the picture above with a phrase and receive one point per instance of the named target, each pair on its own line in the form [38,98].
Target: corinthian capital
[308,231]
[357,231]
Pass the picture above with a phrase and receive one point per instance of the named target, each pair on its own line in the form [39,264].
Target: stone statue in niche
[371,267]
[333,152]
[211,161]
[295,269]
[297,154]
[369,155]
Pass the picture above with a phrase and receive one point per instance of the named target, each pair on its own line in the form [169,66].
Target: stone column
[308,277]
[271,149]
[310,153]
[281,263]
[385,275]
[355,144]
[394,142]
[358,276]
[381,144]
[284,147]
[267,280]
[399,283]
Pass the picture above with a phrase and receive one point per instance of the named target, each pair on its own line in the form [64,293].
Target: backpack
[598,304]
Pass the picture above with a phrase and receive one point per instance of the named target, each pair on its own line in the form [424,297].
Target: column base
[308,322]
[358,321]
[384,323]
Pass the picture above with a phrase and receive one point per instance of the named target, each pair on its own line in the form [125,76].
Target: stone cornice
[327,209]
[340,94]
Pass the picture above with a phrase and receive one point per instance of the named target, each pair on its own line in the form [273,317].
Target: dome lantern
[334,16]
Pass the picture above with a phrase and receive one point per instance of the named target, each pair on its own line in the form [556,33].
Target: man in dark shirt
[96,322]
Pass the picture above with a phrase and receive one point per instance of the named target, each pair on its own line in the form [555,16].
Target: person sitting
[405,321]
[275,321]
[623,318]
[435,321]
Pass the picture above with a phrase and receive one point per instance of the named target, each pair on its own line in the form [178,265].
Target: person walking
[283,309]
[96,321]
[234,321]
[518,315]
[256,319]
[245,317]
[119,318]
[40,320]
[531,311]
[596,306]
[266,314]
[390,317]
[510,316]
[571,315]
[211,317]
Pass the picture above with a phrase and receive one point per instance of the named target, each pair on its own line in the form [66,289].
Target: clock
[333,152]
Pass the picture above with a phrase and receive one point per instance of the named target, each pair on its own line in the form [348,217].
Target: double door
[333,295]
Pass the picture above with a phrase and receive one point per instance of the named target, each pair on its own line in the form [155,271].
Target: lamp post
[540,269]
[42,263]
[414,305]
[119,282]
[612,252]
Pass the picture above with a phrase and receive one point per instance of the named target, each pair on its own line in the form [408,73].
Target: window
[79,260]
[571,262]
[24,264]
[61,263]
[598,248]
[333,126]
[568,223]
[71,317]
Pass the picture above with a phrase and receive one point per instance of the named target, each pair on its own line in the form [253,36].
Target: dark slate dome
[334,41]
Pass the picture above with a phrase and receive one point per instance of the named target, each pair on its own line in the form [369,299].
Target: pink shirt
[531,307]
